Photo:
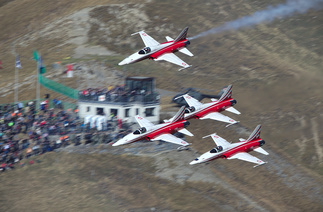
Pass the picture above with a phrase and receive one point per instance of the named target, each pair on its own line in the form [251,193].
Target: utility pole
[16,81]
[38,84]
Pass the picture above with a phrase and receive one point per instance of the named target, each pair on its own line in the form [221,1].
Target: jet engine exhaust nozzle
[186,123]
[233,102]
[262,142]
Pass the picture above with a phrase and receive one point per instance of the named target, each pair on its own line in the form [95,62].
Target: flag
[18,64]
[36,56]
[41,67]
[69,70]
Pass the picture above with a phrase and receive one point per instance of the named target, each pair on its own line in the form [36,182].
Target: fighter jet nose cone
[122,63]
[195,161]
[118,143]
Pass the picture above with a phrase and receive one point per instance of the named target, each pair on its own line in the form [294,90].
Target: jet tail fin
[227,94]
[183,50]
[255,134]
[179,115]
[182,35]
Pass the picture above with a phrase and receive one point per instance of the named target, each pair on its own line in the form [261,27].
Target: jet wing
[247,157]
[172,58]
[185,132]
[219,117]
[192,102]
[148,41]
[233,110]
[143,122]
[219,141]
[261,150]
[169,38]
[171,138]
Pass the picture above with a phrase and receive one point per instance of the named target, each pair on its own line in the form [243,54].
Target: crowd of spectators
[26,132]
[118,94]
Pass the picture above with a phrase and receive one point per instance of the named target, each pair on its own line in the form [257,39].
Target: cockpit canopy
[217,149]
[140,131]
[144,50]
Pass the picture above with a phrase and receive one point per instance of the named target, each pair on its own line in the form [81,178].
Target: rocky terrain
[276,72]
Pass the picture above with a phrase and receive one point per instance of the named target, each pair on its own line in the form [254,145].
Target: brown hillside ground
[276,72]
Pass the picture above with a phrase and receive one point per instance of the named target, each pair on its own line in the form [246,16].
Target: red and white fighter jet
[163,131]
[161,51]
[212,109]
[237,150]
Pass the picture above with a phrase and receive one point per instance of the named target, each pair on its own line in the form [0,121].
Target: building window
[114,112]
[100,111]
[137,111]
[88,109]
[149,111]
[126,112]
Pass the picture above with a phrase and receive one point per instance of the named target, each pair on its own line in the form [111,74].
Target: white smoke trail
[267,15]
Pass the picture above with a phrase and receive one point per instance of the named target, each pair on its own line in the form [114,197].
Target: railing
[58,87]
[120,99]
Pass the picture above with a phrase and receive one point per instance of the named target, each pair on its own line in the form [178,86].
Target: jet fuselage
[156,51]
[170,48]
[210,107]
[229,151]
[164,128]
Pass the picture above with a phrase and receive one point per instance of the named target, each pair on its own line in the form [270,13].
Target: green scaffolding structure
[58,87]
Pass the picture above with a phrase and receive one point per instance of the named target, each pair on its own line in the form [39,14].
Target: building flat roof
[140,78]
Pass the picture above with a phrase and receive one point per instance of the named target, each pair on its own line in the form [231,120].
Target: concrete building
[136,97]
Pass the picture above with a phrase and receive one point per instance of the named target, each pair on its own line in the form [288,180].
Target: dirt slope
[275,69]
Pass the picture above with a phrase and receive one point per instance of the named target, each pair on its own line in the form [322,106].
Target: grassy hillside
[102,182]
